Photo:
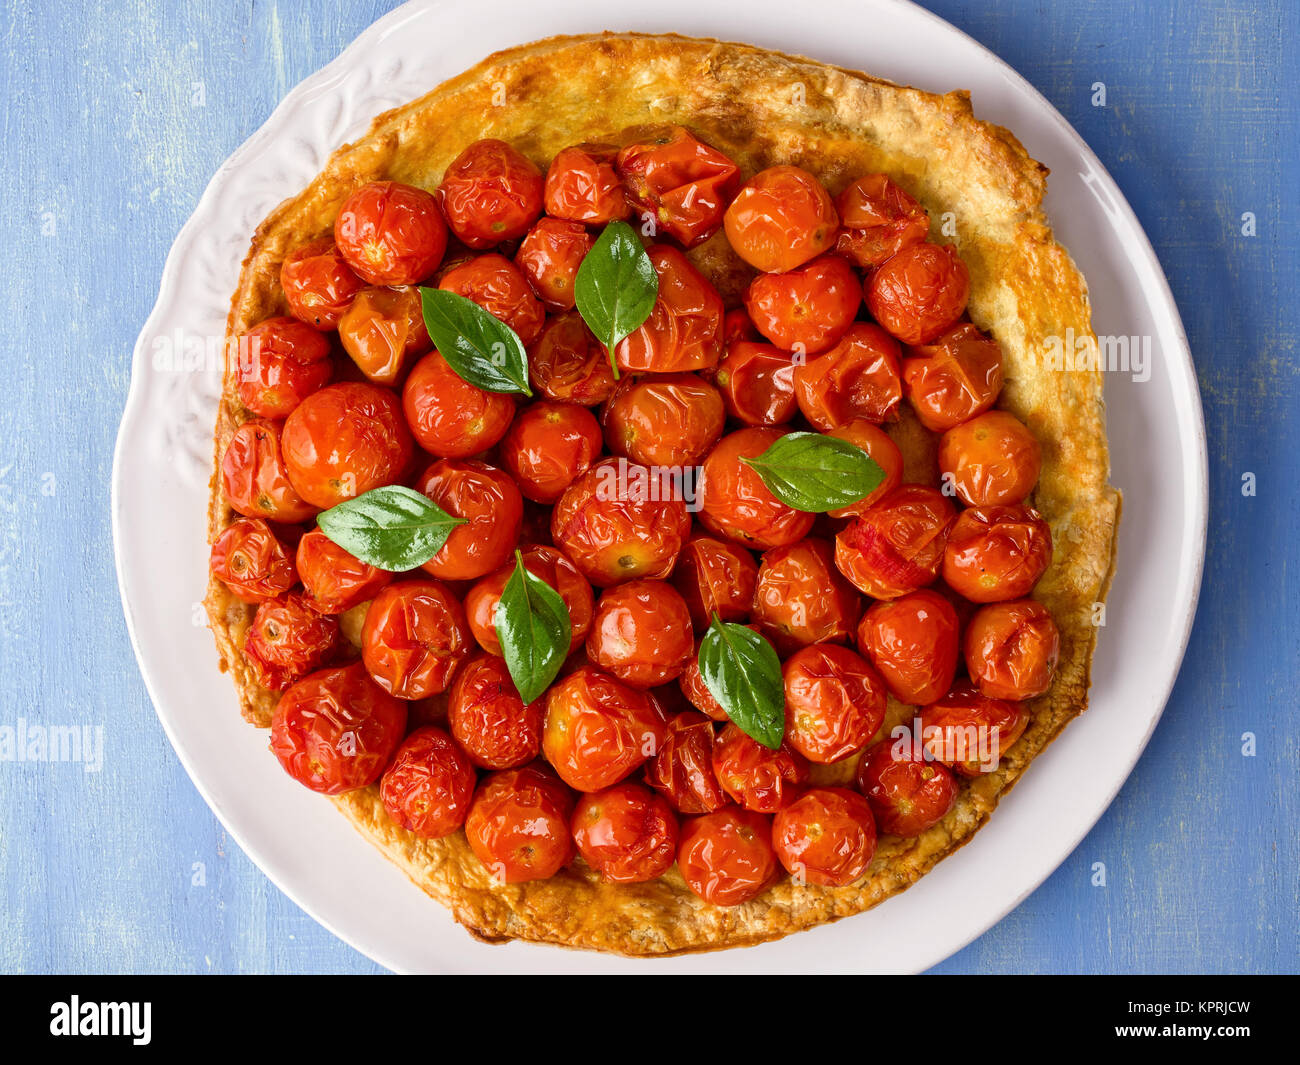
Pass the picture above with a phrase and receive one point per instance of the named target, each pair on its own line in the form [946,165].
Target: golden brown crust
[984,195]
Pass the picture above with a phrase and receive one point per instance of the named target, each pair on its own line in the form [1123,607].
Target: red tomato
[337,729]
[715,577]
[518,824]
[954,378]
[879,219]
[391,234]
[500,288]
[428,787]
[834,702]
[334,580]
[801,598]
[896,545]
[780,219]
[281,363]
[970,732]
[490,193]
[252,561]
[664,420]
[288,640]
[492,507]
[550,256]
[344,440]
[383,330]
[488,718]
[756,776]
[692,686]
[682,770]
[826,836]
[919,292]
[679,183]
[1012,649]
[881,450]
[757,383]
[857,378]
[735,503]
[254,479]
[912,641]
[807,309]
[318,284]
[415,638]
[641,633]
[583,186]
[552,567]
[570,365]
[684,330]
[726,857]
[906,793]
[991,459]
[996,553]
[627,833]
[738,326]
[450,417]
[549,445]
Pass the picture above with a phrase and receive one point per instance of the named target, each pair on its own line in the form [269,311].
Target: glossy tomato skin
[726,857]
[450,417]
[288,640]
[801,598]
[918,293]
[879,219]
[881,450]
[489,501]
[335,580]
[736,504]
[490,193]
[781,218]
[954,378]
[282,361]
[550,256]
[552,566]
[569,365]
[996,553]
[808,309]
[619,522]
[755,776]
[428,787]
[626,833]
[1012,649]
[318,284]
[913,642]
[715,577]
[336,730]
[906,793]
[598,730]
[500,288]
[254,477]
[415,638]
[664,419]
[548,446]
[858,378]
[991,460]
[684,329]
[344,440]
[678,182]
[757,383]
[518,824]
[970,732]
[834,702]
[487,717]
[641,633]
[682,769]
[582,185]
[692,686]
[826,836]
[250,560]
[391,234]
[738,326]
[896,545]
[383,330]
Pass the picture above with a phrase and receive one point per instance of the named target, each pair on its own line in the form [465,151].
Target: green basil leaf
[533,626]
[480,347]
[815,473]
[741,670]
[393,528]
[616,286]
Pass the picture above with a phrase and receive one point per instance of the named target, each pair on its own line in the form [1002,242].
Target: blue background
[99,141]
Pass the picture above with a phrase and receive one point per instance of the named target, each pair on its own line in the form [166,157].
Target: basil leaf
[815,473]
[616,286]
[392,528]
[533,626]
[742,671]
[480,347]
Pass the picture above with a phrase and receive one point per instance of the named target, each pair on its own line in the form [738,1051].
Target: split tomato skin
[879,219]
[715,577]
[390,233]
[913,641]
[548,446]
[682,768]
[834,702]
[429,785]
[684,329]
[991,460]
[755,776]
[552,566]
[1012,649]
[726,856]
[781,218]
[490,193]
[318,284]
[626,832]
[907,794]
[487,717]
[736,504]
[757,383]
[970,732]
[255,479]
[288,640]
[678,182]
[383,330]
[896,545]
[250,560]
[918,293]
[858,378]
[665,420]
[882,451]
[449,417]
[549,258]
[489,501]
[282,362]
[518,824]
[641,633]
[808,309]
[500,288]
[567,364]
[827,836]
[333,579]
[953,378]
[801,598]
[414,638]
[996,553]
[582,185]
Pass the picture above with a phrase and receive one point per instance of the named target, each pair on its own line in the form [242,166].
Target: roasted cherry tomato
[757,383]
[627,833]
[281,363]
[450,417]
[879,219]
[1012,649]
[692,686]
[490,193]
[550,256]
[726,857]
[335,580]
[664,420]
[834,702]
[801,598]
[583,186]
[492,507]
[826,836]
[641,633]
[415,638]
[684,330]
[428,787]
[756,776]
[991,459]
[318,284]
[344,440]
[489,719]
[715,577]
[518,824]
[735,503]
[896,545]
[780,219]
[288,640]
[620,521]
[919,292]
[254,477]
[391,234]
[906,793]
[738,326]
[252,561]
[808,309]
[857,378]
[337,729]
[882,451]
[682,770]
[996,553]
[551,566]
[549,445]
[951,380]
[383,331]
[679,183]
[970,732]
[912,641]
[568,364]
[500,288]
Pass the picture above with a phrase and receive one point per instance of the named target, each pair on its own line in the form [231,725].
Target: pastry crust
[760,108]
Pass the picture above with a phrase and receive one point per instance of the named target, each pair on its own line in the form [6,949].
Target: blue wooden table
[114,117]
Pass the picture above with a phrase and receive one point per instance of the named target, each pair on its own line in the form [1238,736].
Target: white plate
[164,451]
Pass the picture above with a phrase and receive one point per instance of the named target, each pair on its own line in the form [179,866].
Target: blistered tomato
[664,420]
[415,638]
[582,185]
[568,364]
[487,717]
[734,501]
[691,685]
[756,776]
[383,331]
[912,641]
[715,577]
[281,363]
[288,640]
[391,234]
[641,633]
[555,569]
[450,417]
[757,383]
[252,561]
[918,293]
[834,702]
[254,477]
[906,793]
[857,378]
[428,788]
[801,598]
[726,857]
[500,288]
[335,580]
[626,833]
[318,284]
[490,193]
[996,553]
[489,501]
[518,824]
[970,732]
[780,219]
[954,378]
[1012,649]
[684,329]
[548,446]
[807,309]
[896,545]
[991,459]
[550,256]
[679,183]
[882,451]
[826,836]
[879,219]
[682,769]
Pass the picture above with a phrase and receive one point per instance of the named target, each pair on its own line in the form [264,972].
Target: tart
[828,264]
